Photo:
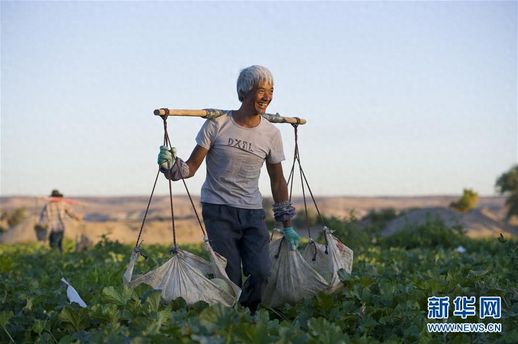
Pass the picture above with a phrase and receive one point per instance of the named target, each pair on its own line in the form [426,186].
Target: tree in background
[507,184]
[466,202]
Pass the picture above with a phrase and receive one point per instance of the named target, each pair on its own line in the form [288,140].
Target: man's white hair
[251,76]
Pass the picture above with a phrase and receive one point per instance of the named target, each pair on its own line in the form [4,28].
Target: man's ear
[241,96]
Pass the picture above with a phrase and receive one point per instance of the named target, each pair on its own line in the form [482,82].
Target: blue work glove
[292,237]
[166,157]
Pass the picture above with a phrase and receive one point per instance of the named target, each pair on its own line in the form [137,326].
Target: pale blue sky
[401,98]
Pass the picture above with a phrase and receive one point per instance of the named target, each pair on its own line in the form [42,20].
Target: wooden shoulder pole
[214,113]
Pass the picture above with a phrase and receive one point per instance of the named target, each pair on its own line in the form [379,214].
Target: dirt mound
[475,223]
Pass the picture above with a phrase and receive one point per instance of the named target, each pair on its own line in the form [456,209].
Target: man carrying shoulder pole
[235,146]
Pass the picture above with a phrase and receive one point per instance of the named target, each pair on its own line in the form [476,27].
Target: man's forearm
[279,190]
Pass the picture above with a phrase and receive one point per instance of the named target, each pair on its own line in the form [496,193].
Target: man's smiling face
[260,97]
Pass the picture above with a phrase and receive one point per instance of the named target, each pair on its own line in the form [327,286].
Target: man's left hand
[166,157]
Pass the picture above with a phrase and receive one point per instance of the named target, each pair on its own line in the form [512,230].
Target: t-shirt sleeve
[207,134]
[276,154]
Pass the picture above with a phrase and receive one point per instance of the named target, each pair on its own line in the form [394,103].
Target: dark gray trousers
[240,235]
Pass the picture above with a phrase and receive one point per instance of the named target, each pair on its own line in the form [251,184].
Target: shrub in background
[466,202]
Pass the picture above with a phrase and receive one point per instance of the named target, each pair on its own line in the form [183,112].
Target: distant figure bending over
[53,218]
[235,146]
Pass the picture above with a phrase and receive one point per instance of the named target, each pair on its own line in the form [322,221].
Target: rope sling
[184,275]
[296,276]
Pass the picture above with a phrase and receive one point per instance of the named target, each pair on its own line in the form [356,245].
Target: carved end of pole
[161,112]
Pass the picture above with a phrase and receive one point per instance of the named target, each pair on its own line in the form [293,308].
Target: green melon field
[385,299]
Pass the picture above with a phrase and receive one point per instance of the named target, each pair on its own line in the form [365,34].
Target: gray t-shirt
[236,155]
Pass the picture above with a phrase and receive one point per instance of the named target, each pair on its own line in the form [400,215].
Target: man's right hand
[166,157]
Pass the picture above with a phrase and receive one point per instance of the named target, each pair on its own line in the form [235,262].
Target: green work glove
[166,157]
[292,237]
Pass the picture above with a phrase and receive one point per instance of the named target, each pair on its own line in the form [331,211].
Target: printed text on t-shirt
[241,144]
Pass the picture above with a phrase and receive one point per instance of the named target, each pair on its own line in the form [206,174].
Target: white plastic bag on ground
[329,262]
[292,278]
[73,295]
[186,275]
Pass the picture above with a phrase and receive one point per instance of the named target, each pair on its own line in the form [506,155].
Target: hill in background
[120,217]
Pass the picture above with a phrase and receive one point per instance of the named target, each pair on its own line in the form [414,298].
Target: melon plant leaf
[343,275]
[5,317]
[325,332]
[38,326]
[154,327]
[119,296]
[74,316]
